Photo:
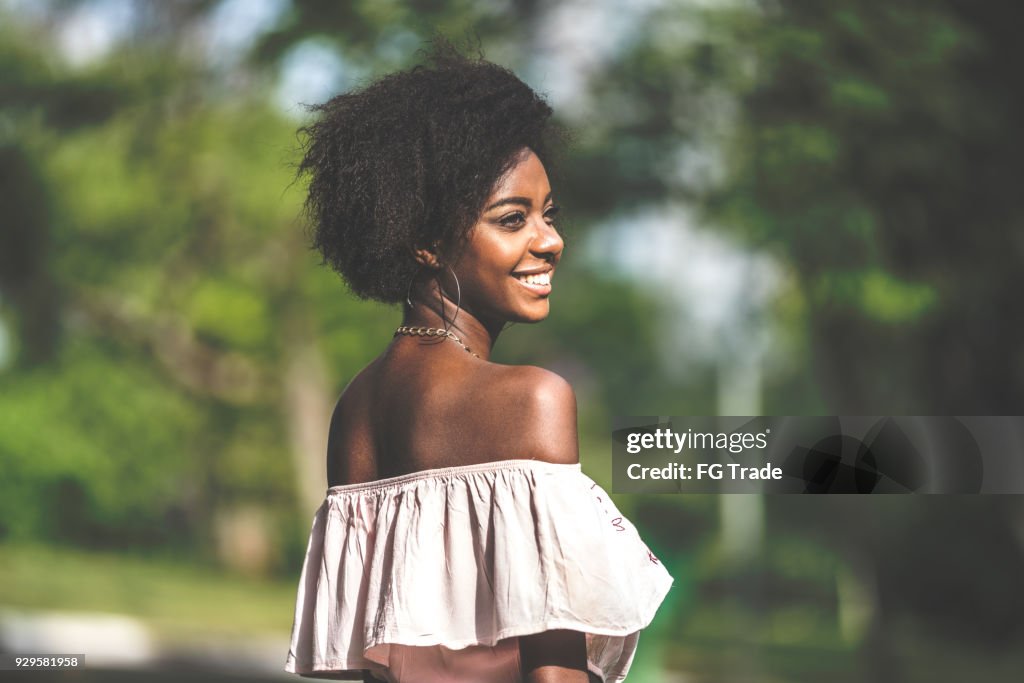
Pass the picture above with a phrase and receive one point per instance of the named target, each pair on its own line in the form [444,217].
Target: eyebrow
[523,201]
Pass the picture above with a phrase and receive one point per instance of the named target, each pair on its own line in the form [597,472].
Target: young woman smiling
[459,540]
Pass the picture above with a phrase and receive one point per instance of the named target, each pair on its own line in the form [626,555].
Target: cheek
[493,255]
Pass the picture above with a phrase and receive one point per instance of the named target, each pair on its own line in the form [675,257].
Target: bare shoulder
[538,413]
[350,443]
[543,390]
[356,391]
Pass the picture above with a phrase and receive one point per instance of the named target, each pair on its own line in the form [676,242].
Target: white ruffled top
[430,576]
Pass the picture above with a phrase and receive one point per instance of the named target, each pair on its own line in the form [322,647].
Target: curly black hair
[408,162]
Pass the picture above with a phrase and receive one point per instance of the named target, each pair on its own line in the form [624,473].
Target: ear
[427,257]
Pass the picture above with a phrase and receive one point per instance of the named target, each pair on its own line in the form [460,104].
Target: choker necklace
[431,332]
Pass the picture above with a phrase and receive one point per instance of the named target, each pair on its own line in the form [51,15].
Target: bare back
[416,408]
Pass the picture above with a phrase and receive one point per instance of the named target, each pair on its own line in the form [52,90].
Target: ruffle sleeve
[466,557]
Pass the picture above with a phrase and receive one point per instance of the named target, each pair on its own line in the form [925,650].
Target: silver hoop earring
[458,301]
[412,281]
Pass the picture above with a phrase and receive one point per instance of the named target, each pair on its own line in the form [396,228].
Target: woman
[459,540]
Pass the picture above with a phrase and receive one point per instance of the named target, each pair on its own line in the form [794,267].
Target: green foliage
[95,448]
[230,313]
[166,232]
[877,295]
[870,140]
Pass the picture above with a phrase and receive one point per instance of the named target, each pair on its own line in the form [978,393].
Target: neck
[426,311]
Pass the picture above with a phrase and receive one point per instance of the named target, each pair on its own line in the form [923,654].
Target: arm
[547,419]
[554,657]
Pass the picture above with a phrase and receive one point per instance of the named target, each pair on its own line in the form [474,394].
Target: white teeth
[536,278]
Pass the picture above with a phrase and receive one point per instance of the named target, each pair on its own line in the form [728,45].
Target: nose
[547,243]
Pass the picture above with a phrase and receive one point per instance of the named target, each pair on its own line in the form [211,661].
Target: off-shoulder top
[431,576]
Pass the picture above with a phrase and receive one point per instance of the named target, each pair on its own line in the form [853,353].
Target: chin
[533,316]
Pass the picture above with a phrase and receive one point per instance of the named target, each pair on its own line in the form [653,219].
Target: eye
[551,213]
[516,219]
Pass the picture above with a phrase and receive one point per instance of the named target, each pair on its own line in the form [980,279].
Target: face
[506,270]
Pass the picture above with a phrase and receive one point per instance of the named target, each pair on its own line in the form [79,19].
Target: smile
[538,283]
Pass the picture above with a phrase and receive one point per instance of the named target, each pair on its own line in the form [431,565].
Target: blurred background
[783,207]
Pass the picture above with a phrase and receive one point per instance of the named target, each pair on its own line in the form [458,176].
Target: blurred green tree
[879,158]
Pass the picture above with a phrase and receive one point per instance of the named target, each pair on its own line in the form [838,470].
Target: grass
[172,597]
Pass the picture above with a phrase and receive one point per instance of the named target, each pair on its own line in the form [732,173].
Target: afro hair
[408,161]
